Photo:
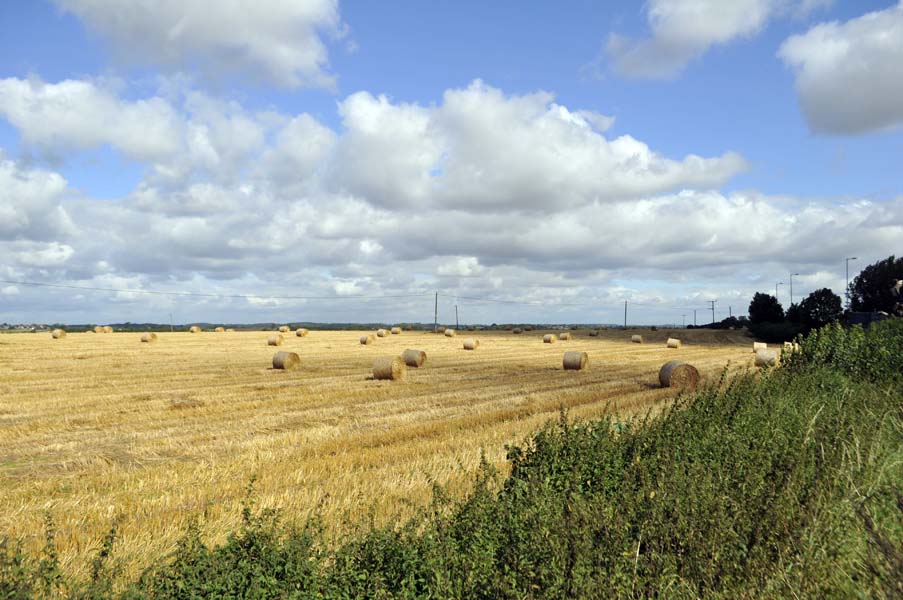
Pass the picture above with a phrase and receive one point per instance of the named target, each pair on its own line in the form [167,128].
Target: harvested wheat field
[97,429]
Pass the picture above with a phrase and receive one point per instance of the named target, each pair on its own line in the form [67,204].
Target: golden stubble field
[97,427]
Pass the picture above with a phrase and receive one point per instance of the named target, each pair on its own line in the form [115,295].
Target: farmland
[100,428]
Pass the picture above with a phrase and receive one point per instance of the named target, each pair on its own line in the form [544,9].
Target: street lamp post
[791,287]
[847,289]
[776,289]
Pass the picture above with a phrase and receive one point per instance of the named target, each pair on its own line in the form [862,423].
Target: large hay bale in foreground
[149,337]
[219,330]
[286,360]
[194,329]
[471,344]
[575,361]
[677,373]
[549,338]
[301,332]
[275,339]
[58,334]
[450,333]
[367,339]
[98,329]
[759,346]
[389,367]
[413,358]
[766,358]
[564,336]
[788,347]
[381,333]
[108,329]
[636,339]
[395,330]
[673,343]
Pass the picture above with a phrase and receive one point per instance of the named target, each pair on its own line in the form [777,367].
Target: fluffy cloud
[275,40]
[31,203]
[683,30]
[849,76]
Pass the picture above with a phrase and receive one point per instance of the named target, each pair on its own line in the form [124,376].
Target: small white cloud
[9,290]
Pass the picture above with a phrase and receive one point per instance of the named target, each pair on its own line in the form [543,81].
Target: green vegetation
[775,484]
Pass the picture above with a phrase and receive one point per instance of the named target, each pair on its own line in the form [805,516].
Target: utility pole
[456,318]
[791,287]
[170,323]
[712,302]
[847,289]
[684,321]
[694,317]
[776,290]
[730,312]
[625,314]
[436,314]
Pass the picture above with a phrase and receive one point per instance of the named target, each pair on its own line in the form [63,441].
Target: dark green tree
[765,309]
[820,308]
[793,314]
[870,290]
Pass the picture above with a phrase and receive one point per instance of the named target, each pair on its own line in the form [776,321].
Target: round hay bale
[108,329]
[58,334]
[286,360]
[441,329]
[471,344]
[517,330]
[788,347]
[564,336]
[549,338]
[389,367]
[98,329]
[194,329]
[450,333]
[219,330]
[367,339]
[528,328]
[381,333]
[301,332]
[759,346]
[766,358]
[677,373]
[284,329]
[395,330]
[148,337]
[575,361]
[275,339]
[413,358]
[230,331]
[673,343]
[593,333]
[636,339]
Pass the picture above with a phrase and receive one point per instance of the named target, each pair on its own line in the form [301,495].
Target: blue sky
[165,123]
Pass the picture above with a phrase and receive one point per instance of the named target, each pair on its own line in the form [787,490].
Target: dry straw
[450,333]
[275,339]
[636,339]
[108,329]
[284,329]
[396,330]
[564,336]
[301,332]
[471,344]
[678,374]
[230,331]
[381,333]
[414,358]
[148,337]
[367,339]
[98,329]
[58,334]
[759,346]
[549,338]
[194,329]
[673,343]
[220,330]
[286,360]
[766,358]
[575,361]
[390,367]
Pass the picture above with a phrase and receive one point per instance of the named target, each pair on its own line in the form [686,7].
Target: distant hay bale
[98,329]
[673,343]
[194,329]
[679,374]
[58,334]
[528,328]
[575,361]
[471,344]
[395,330]
[286,360]
[108,329]
[593,333]
[549,338]
[284,329]
[275,339]
[367,339]
[381,333]
[441,329]
[450,333]
[413,358]
[220,330]
[148,337]
[564,336]
[230,331]
[636,339]
[517,330]
[471,328]
[301,332]
[389,367]
[766,358]
[759,346]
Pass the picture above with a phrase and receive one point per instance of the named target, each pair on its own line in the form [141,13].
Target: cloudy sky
[538,161]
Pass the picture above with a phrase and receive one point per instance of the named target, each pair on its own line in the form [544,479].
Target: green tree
[870,290]
[765,309]
[820,308]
